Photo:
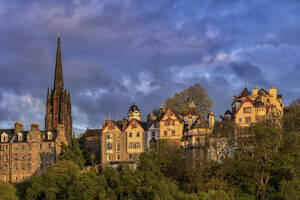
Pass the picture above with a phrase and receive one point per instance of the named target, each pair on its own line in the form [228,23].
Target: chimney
[18,127]
[211,120]
[35,126]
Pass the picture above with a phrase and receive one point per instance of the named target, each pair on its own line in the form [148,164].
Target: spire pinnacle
[58,79]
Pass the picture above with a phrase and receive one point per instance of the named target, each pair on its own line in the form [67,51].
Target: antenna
[117,116]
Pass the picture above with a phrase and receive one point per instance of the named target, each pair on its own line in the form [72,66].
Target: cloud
[119,52]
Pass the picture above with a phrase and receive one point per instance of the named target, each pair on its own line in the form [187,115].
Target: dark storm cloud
[118,52]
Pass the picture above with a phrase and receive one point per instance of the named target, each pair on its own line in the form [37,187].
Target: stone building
[23,153]
[261,105]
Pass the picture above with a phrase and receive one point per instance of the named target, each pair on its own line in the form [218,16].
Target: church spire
[59,78]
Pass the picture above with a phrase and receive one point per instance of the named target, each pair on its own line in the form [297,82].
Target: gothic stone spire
[58,104]
[59,78]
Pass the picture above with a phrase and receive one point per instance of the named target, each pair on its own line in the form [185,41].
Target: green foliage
[7,191]
[72,153]
[266,165]
[195,93]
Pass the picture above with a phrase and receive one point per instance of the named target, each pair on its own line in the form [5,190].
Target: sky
[116,52]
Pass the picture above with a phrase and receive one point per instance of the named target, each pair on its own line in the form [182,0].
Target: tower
[134,113]
[58,104]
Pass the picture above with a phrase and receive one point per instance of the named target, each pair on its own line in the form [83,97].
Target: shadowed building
[58,104]
[23,153]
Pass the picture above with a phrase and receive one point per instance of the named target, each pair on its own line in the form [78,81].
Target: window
[133,125]
[22,167]
[173,123]
[118,157]
[130,157]
[22,157]
[16,167]
[29,147]
[49,146]
[134,145]
[49,135]
[138,134]
[23,177]
[108,146]
[153,134]
[130,134]
[28,166]
[247,110]
[173,132]
[165,133]
[108,136]
[240,120]
[109,157]
[20,137]
[29,137]
[29,157]
[5,147]
[16,156]
[41,146]
[4,137]
[118,147]
[16,147]
[117,135]
[23,146]
[248,119]
[5,158]
[167,123]
[5,167]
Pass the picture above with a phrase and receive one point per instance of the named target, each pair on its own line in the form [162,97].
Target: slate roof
[92,132]
[133,108]
[12,139]
[244,93]
[259,103]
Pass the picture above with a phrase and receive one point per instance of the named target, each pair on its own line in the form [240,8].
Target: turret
[273,91]
[134,113]
[255,91]
[211,120]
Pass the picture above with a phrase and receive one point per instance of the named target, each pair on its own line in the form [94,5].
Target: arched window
[49,135]
[20,137]
[4,137]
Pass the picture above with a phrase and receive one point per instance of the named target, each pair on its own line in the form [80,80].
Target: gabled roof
[177,115]
[114,123]
[246,100]
[141,124]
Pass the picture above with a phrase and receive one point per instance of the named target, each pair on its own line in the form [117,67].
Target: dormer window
[4,137]
[20,137]
[49,135]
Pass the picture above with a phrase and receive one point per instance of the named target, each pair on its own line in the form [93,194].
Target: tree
[195,93]
[7,191]
[72,152]
[256,157]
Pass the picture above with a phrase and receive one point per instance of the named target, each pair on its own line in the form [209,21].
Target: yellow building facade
[136,139]
[261,105]
[171,126]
